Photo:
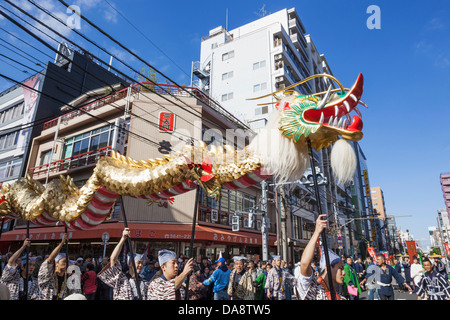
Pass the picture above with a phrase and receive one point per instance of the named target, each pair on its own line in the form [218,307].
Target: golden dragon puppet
[279,150]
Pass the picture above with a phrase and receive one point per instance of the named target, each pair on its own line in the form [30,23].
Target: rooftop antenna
[261,12]
[226,20]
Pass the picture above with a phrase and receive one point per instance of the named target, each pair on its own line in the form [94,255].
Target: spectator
[370,279]
[220,278]
[207,292]
[260,282]
[195,285]
[89,282]
[351,281]
[251,268]
[279,281]
[149,271]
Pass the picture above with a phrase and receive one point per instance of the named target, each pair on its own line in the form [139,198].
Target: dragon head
[322,121]
[311,121]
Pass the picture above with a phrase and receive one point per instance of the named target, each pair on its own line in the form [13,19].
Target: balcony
[88,108]
[62,166]
[298,45]
[294,27]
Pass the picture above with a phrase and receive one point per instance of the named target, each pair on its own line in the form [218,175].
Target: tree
[149,78]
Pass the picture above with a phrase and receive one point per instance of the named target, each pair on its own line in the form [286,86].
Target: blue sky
[406,66]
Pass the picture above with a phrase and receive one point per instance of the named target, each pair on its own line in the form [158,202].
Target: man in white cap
[167,286]
[14,276]
[309,287]
[278,281]
[124,285]
[52,274]
[240,286]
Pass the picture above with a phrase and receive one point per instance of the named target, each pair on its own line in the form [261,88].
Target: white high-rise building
[258,58]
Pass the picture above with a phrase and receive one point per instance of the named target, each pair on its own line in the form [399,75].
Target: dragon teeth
[335,122]
[344,125]
[339,125]
[330,122]
[347,106]
[357,111]
[321,117]
[336,111]
[354,97]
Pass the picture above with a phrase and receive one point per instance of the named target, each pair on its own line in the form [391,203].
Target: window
[261,110]
[228,55]
[260,87]
[214,45]
[227,75]
[259,65]
[227,96]
[12,112]
[89,141]
[46,157]
[9,140]
[10,168]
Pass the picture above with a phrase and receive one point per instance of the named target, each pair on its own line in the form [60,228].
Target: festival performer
[310,287]
[167,286]
[124,284]
[52,274]
[14,276]
[439,266]
[278,281]
[240,286]
[416,272]
[433,284]
[220,278]
[384,277]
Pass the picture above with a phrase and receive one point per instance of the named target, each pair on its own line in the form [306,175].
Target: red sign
[412,249]
[447,248]
[372,253]
[166,121]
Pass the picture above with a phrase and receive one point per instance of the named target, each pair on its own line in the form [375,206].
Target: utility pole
[264,225]
[264,222]
[283,223]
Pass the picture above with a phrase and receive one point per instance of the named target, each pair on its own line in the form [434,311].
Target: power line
[59,20]
[78,109]
[143,61]
[45,43]
[143,34]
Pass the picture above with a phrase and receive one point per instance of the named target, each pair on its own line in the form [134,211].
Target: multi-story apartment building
[81,139]
[378,201]
[25,107]
[445,184]
[258,58]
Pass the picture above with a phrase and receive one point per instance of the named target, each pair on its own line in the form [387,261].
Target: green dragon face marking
[322,121]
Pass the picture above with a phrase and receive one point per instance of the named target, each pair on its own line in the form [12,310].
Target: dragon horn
[323,102]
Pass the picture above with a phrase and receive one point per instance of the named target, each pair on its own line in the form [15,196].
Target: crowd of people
[176,277]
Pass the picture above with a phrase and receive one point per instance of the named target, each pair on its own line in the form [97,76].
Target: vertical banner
[447,249]
[372,253]
[412,249]
[30,97]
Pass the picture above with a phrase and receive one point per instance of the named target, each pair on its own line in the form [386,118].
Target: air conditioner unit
[278,56]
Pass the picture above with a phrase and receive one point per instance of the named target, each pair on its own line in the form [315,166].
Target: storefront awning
[140,231]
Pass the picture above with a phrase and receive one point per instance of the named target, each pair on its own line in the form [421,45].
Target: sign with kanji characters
[166,122]
[120,135]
